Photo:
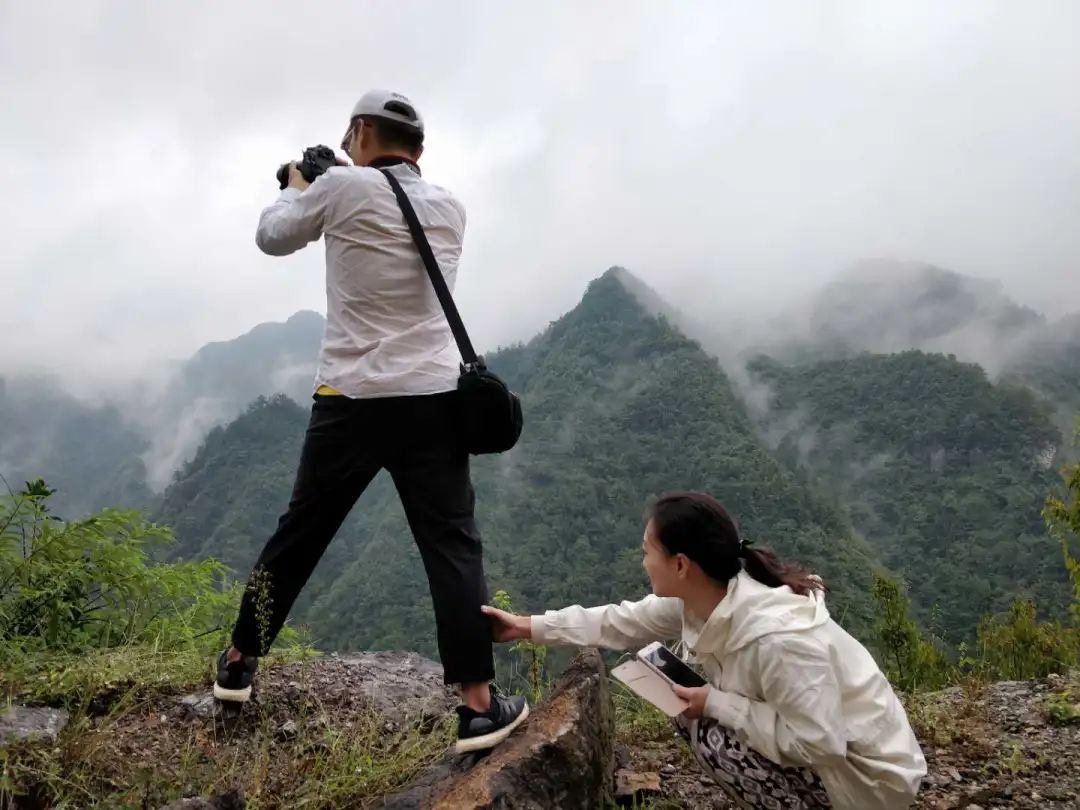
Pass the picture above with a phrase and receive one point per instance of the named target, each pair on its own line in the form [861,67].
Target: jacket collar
[393,160]
[748,611]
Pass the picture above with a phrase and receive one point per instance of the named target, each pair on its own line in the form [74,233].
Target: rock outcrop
[345,730]
[562,757]
[402,687]
[1013,744]
[306,722]
[29,724]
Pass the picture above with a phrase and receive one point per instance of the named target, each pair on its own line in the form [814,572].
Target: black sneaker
[233,682]
[480,730]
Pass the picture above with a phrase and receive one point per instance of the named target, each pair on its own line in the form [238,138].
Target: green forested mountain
[890,306]
[123,451]
[943,472]
[89,452]
[619,405]
[270,358]
[1050,365]
[224,502]
[219,381]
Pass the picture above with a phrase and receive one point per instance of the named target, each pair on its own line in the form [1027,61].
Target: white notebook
[644,682]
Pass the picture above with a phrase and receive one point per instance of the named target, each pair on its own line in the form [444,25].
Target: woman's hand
[507,626]
[695,696]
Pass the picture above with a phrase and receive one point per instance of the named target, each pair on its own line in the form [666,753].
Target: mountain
[619,405]
[87,452]
[141,441]
[942,471]
[885,306]
[270,358]
[610,392]
[1050,366]
[124,449]
[218,382]
[889,306]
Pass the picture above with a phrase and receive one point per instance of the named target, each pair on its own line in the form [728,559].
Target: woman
[797,714]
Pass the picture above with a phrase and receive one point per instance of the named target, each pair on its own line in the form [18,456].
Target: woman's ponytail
[767,568]
[697,525]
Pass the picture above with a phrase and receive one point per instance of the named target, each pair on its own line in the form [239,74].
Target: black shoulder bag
[490,412]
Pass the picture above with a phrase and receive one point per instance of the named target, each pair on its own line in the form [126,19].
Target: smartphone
[668,665]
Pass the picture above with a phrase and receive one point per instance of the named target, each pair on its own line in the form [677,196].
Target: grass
[640,725]
[73,681]
[92,622]
[1063,708]
[637,720]
[948,723]
[1019,762]
[136,750]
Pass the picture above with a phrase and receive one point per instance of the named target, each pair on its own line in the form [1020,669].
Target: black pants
[347,442]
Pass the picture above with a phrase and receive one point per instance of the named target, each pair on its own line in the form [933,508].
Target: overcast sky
[730,154]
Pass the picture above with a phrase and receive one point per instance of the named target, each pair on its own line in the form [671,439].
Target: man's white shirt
[386,334]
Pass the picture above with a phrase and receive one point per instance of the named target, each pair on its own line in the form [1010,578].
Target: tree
[910,661]
[1062,516]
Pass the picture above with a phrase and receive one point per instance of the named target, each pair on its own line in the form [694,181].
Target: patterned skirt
[749,779]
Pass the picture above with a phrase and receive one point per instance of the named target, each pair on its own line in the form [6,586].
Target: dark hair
[393,135]
[697,525]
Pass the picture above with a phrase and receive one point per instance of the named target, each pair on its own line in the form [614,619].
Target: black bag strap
[468,354]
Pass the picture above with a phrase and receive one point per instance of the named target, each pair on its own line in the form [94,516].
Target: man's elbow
[271,246]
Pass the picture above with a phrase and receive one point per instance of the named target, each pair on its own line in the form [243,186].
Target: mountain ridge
[619,405]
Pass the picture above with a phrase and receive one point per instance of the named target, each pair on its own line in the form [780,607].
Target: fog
[735,156]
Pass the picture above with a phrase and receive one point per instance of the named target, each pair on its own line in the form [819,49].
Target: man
[384,398]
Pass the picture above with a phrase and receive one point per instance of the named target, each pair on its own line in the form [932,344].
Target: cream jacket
[786,678]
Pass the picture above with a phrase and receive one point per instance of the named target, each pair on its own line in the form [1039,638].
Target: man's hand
[506,626]
[695,696]
[296,180]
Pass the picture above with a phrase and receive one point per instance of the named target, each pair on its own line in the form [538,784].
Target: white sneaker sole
[492,739]
[232,695]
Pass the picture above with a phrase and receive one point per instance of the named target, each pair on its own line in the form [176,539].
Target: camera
[316,160]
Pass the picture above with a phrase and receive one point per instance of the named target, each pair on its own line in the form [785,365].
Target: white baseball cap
[389,105]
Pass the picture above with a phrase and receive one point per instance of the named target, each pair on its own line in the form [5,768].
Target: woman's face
[662,568]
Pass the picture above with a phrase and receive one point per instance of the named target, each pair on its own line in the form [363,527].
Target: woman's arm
[616,627]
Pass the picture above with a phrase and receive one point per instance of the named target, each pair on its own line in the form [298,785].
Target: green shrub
[532,653]
[909,660]
[1016,646]
[82,604]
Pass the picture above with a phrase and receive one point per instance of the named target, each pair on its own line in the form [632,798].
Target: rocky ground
[365,731]
[1011,744]
[1006,745]
[327,733]
[345,731]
